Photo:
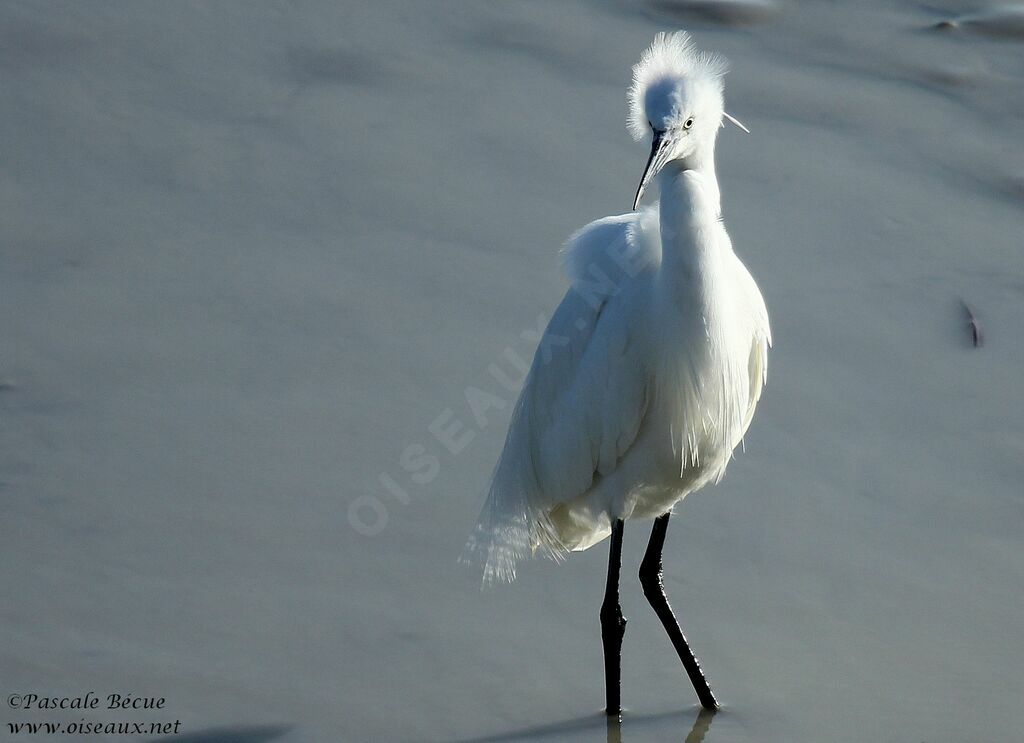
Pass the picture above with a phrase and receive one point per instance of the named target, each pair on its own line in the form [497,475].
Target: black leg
[654,590]
[613,624]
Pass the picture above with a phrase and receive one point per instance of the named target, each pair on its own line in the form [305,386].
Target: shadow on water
[617,731]
[240,734]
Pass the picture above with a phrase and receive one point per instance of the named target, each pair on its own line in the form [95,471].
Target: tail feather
[500,540]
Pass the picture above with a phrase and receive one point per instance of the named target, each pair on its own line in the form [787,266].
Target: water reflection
[701,725]
[617,730]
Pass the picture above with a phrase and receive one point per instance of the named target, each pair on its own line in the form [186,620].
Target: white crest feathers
[670,55]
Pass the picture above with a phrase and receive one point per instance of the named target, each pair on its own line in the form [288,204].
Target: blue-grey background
[250,252]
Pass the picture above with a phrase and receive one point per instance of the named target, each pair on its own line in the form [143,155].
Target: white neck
[692,238]
[702,161]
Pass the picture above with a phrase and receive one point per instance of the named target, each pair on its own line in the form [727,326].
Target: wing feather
[761,340]
[584,399]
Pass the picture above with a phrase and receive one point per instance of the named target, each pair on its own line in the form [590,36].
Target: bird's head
[676,99]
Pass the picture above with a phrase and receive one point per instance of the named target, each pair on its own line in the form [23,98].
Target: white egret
[648,373]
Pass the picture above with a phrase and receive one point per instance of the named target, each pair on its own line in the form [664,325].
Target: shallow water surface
[255,253]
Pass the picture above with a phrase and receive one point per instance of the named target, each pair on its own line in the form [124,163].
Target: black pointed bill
[661,149]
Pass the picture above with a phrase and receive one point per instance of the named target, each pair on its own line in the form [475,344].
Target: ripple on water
[1005,22]
[724,12]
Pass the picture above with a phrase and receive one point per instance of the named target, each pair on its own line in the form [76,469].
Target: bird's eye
[688,123]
